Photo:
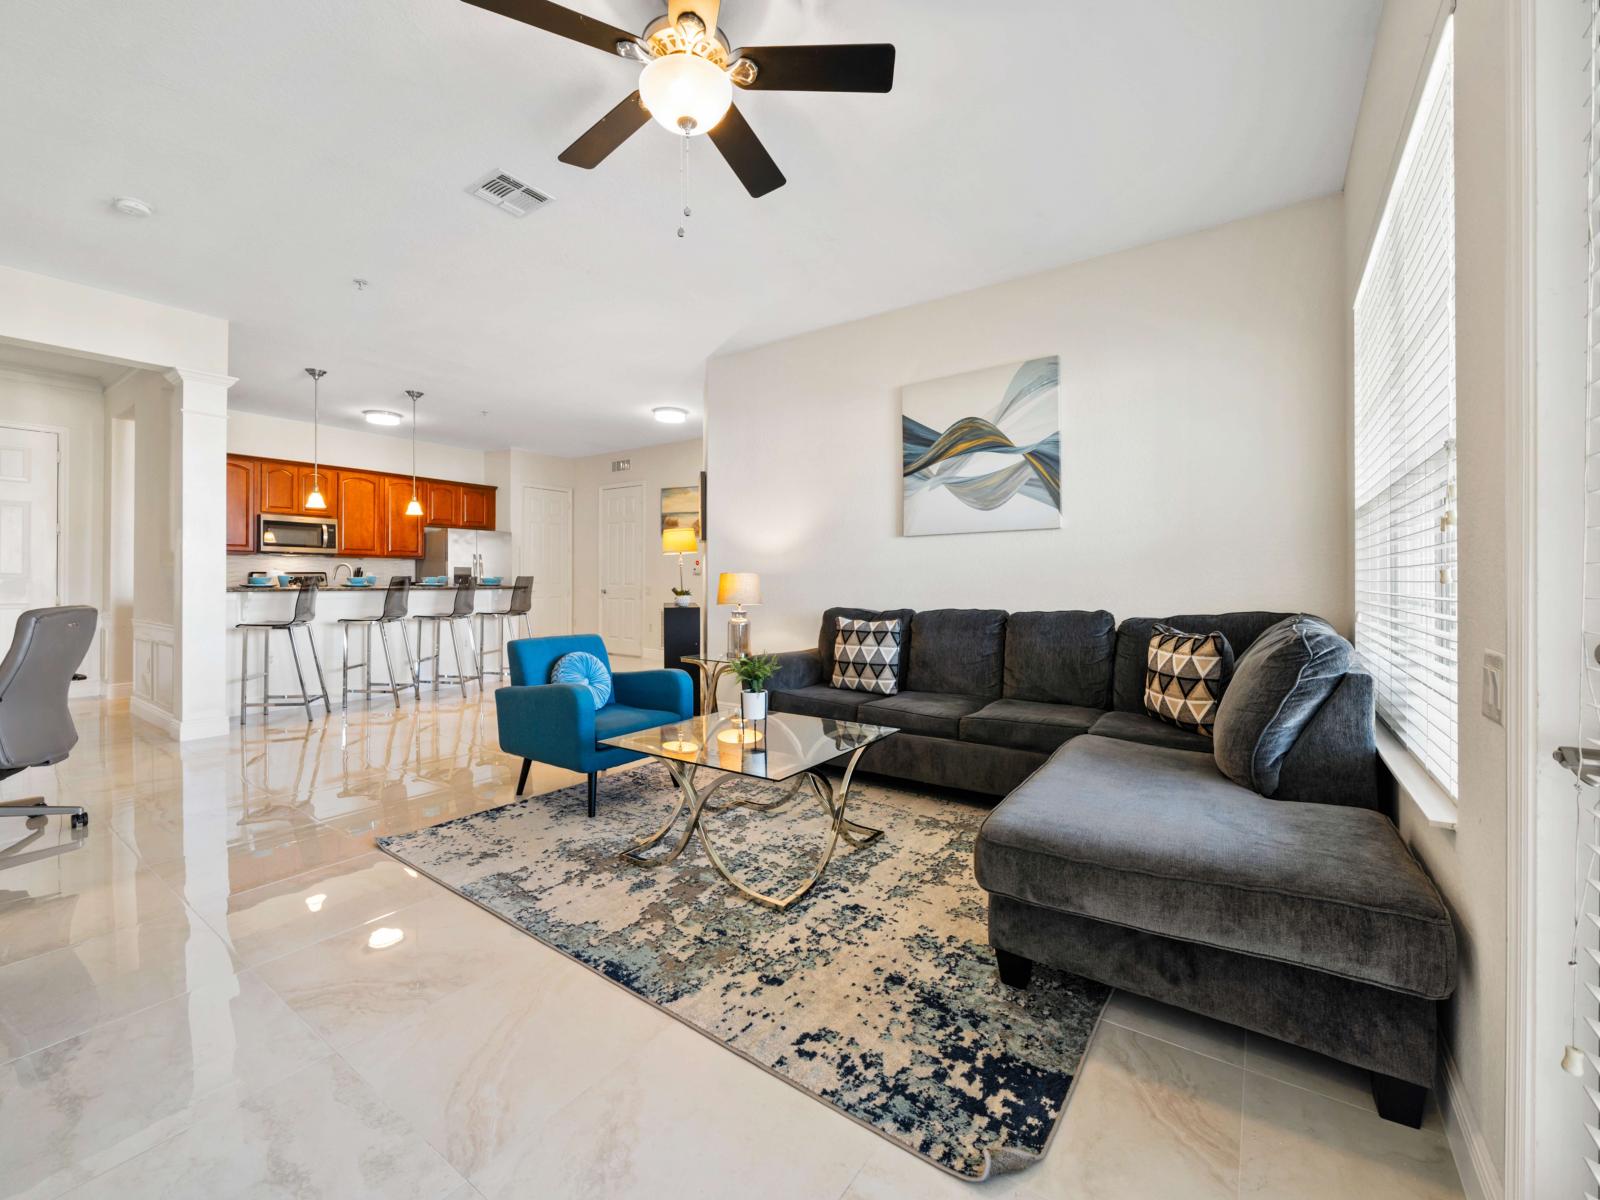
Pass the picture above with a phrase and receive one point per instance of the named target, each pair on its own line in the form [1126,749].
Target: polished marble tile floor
[224,990]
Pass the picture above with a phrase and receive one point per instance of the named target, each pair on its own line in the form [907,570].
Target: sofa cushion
[1185,675]
[1060,657]
[937,714]
[1159,840]
[819,700]
[1133,644]
[830,630]
[1277,687]
[1147,731]
[866,655]
[1027,724]
[959,650]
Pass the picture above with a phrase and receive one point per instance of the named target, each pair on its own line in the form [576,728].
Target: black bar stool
[520,604]
[396,602]
[305,608]
[459,616]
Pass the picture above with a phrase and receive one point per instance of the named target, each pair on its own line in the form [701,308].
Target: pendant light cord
[683,182]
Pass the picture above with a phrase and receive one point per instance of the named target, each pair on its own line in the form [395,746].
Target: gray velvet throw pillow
[1277,686]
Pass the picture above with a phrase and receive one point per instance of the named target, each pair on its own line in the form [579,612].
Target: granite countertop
[374,590]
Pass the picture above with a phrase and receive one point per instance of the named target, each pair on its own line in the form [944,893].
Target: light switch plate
[1494,679]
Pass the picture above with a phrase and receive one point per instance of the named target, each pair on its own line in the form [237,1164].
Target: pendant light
[414,509]
[315,499]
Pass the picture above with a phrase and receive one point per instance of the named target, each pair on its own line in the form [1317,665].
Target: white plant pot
[753,705]
[683,601]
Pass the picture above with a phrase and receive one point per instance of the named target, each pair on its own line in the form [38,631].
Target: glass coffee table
[785,748]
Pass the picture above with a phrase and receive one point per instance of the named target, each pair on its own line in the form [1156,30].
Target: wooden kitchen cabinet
[279,485]
[477,507]
[241,492]
[443,502]
[402,535]
[360,512]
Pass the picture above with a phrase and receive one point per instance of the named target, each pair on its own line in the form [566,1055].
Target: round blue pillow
[583,668]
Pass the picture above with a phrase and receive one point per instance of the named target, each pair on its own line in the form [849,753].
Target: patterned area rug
[875,993]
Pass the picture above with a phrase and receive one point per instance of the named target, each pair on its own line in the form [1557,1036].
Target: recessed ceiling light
[381,416]
[668,415]
[132,206]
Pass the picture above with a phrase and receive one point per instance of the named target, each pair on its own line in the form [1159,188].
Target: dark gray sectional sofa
[1122,852]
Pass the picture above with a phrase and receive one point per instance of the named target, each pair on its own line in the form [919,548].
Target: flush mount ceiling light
[132,206]
[669,415]
[690,71]
[381,416]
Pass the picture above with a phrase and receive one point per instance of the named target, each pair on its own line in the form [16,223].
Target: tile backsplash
[240,566]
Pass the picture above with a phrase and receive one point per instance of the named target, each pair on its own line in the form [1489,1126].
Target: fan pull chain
[683,180]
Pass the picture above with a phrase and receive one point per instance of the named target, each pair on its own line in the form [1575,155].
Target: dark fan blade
[746,155]
[863,68]
[552,18]
[606,134]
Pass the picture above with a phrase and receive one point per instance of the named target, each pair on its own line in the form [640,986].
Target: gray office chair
[36,726]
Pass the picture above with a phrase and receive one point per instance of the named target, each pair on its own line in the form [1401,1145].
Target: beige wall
[281,437]
[1204,439]
[1468,864]
[75,406]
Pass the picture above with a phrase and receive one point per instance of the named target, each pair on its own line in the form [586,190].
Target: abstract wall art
[680,509]
[981,451]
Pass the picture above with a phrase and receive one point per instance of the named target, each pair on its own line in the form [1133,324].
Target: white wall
[75,406]
[1204,439]
[1469,863]
[282,437]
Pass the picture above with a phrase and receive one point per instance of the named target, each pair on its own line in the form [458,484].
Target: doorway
[547,556]
[622,568]
[30,468]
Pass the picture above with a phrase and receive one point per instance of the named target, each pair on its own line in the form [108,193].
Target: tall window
[1405,462]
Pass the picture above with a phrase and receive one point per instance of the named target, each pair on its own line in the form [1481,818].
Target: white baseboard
[151,715]
[196,728]
[1479,1180]
[118,691]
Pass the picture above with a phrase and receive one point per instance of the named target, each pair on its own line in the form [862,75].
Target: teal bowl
[491,581]
[259,581]
[364,582]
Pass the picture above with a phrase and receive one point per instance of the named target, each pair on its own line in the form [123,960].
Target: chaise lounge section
[1123,851]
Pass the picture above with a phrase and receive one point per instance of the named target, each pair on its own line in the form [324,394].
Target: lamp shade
[679,541]
[738,587]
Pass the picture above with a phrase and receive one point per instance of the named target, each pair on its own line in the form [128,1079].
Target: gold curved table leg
[838,826]
[687,795]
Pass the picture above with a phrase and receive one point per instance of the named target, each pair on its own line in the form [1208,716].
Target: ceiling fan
[689,75]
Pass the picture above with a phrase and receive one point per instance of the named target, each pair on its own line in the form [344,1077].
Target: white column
[200,451]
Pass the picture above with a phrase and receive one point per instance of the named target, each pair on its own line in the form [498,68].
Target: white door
[547,556]
[622,567]
[29,463]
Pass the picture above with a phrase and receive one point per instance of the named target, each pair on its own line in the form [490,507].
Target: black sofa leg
[522,780]
[1398,1100]
[1015,971]
[593,780]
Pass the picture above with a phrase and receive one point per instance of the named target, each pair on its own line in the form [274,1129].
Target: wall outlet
[696,567]
[1494,681]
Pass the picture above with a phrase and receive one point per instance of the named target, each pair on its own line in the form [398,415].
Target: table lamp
[679,541]
[738,588]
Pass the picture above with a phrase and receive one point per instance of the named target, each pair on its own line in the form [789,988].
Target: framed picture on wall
[705,524]
[680,509]
[981,451]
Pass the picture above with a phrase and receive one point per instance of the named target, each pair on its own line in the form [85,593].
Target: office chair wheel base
[80,820]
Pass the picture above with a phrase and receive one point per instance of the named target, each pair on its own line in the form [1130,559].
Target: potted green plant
[682,597]
[753,671]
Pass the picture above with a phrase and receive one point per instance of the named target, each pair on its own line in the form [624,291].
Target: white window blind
[1405,451]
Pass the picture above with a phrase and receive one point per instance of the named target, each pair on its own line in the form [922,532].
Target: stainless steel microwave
[298,535]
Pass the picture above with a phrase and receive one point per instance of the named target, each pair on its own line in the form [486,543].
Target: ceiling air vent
[509,192]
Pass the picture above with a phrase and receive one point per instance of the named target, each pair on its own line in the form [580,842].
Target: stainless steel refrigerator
[474,552]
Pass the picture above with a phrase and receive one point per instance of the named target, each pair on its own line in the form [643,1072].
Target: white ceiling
[291,146]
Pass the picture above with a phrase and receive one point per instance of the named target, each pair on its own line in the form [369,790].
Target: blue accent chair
[557,723]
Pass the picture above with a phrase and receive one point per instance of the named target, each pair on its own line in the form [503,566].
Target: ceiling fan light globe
[684,93]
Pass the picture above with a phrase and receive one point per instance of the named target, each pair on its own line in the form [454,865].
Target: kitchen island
[335,603]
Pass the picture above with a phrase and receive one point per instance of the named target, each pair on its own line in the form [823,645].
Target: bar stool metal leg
[321,682]
[344,669]
[244,674]
[299,672]
[388,661]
